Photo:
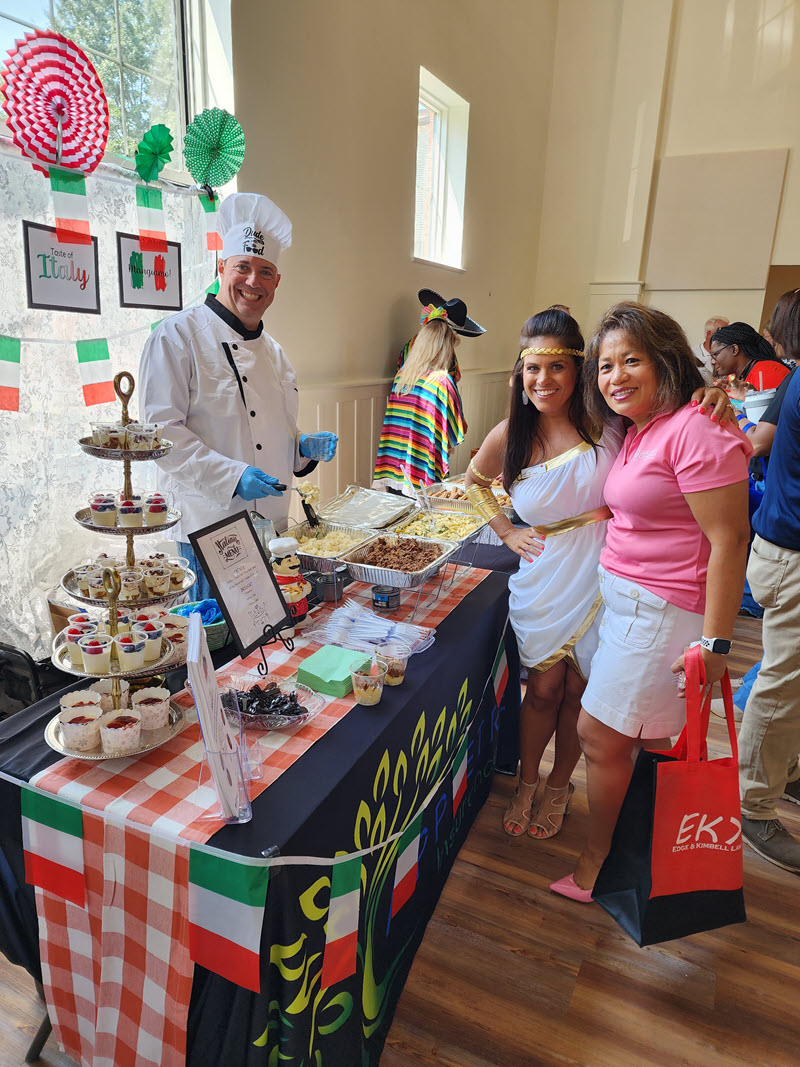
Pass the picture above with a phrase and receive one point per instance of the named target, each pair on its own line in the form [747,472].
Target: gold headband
[550,352]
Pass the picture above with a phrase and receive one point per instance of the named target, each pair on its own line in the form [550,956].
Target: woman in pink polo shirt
[672,570]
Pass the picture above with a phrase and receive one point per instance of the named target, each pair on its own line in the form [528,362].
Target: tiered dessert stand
[171,655]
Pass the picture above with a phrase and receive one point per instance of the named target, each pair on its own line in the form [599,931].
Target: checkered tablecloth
[117,974]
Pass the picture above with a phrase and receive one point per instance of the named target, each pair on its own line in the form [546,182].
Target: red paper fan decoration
[49,82]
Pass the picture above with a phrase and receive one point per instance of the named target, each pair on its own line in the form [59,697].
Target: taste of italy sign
[60,277]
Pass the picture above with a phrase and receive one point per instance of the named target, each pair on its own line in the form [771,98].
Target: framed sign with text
[242,580]
[60,277]
[149,279]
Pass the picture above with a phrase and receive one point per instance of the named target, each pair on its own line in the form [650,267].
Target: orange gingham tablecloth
[117,974]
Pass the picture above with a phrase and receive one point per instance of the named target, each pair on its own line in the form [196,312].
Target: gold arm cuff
[477,473]
[484,501]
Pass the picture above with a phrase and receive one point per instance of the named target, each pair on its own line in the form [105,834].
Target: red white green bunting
[211,207]
[341,940]
[227,896]
[500,671]
[10,361]
[52,841]
[94,363]
[70,206]
[150,215]
[406,870]
[460,775]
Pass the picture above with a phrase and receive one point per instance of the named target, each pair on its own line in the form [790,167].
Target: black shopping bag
[675,863]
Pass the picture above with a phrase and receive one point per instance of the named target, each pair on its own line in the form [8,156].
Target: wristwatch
[718,645]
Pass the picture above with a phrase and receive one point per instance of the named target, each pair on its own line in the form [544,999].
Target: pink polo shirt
[653,537]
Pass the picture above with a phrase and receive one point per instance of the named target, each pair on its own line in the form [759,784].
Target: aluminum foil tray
[366,509]
[326,564]
[438,504]
[461,541]
[363,572]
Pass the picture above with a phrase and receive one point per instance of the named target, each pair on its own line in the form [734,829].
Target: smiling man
[223,389]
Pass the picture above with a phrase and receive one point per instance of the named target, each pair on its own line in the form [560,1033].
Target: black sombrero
[456,312]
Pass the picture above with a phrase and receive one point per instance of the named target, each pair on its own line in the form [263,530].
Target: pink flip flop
[566,887]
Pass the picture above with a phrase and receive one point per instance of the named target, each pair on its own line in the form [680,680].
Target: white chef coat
[219,421]
[705,359]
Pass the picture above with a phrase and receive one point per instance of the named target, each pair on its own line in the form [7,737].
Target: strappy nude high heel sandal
[517,816]
[548,817]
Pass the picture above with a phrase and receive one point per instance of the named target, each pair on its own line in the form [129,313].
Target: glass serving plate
[311,702]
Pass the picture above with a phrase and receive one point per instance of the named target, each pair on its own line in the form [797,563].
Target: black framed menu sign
[242,580]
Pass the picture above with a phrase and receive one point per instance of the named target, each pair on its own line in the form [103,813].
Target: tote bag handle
[697,716]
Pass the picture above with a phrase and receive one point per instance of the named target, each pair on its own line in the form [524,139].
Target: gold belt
[600,514]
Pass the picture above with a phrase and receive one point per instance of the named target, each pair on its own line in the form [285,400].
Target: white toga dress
[554,600]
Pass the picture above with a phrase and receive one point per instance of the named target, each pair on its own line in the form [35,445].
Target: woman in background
[737,349]
[424,419]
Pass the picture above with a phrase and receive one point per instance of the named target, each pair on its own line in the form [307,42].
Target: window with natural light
[442,126]
[135,46]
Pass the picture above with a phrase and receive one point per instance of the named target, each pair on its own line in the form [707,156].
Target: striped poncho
[419,430]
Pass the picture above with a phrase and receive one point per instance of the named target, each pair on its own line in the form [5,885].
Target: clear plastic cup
[396,664]
[130,579]
[80,616]
[156,512]
[158,580]
[140,437]
[97,589]
[103,511]
[130,651]
[117,436]
[152,632]
[96,651]
[75,632]
[123,622]
[368,681]
[82,574]
[100,433]
[178,566]
[129,513]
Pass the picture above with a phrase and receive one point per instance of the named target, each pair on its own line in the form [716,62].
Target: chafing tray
[365,509]
[364,572]
[325,564]
[466,539]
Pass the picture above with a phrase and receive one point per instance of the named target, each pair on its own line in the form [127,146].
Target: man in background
[703,350]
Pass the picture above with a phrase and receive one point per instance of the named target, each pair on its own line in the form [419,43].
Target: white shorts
[631,687]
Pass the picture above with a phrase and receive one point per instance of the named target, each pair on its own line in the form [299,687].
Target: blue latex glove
[319,445]
[209,611]
[254,484]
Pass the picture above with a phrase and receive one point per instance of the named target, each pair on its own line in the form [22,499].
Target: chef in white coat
[224,390]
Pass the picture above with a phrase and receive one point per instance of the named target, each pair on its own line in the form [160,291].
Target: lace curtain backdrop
[45,476]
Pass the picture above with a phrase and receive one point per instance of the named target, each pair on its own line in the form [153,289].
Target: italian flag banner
[460,774]
[94,364]
[10,360]
[211,207]
[341,941]
[150,215]
[406,870]
[52,842]
[500,671]
[227,896]
[70,206]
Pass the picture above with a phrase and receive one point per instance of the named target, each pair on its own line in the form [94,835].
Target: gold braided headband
[550,352]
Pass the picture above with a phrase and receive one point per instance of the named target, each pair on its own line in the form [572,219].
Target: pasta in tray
[332,544]
[451,525]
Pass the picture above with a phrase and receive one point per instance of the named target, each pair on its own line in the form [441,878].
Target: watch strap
[720,646]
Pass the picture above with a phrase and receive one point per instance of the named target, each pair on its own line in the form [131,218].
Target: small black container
[385,597]
[330,586]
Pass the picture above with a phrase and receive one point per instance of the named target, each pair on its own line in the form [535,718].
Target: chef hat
[280,547]
[251,225]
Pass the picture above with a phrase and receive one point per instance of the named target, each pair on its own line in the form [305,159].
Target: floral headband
[430,313]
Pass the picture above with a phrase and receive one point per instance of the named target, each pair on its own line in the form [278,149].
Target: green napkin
[328,670]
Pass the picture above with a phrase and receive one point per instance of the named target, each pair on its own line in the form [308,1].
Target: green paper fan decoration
[154,152]
[213,147]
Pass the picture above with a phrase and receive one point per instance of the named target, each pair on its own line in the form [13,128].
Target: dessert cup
[152,632]
[103,687]
[178,566]
[96,650]
[368,683]
[120,733]
[130,579]
[117,436]
[97,588]
[129,513]
[158,580]
[103,512]
[130,651]
[80,722]
[152,704]
[74,633]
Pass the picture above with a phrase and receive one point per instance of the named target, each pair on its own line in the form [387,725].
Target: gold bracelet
[477,473]
[484,501]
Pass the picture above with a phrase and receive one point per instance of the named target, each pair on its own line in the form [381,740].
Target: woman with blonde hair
[424,419]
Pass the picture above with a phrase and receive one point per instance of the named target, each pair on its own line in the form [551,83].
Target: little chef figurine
[294,587]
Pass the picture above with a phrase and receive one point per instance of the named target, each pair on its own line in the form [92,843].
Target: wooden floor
[510,975]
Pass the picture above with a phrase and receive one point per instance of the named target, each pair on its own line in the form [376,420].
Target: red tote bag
[675,864]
